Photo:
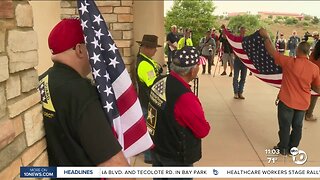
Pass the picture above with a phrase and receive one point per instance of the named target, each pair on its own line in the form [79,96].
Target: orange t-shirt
[298,75]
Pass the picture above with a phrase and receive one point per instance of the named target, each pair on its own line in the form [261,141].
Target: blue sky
[306,7]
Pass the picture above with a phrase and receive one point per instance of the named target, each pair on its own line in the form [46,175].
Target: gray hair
[173,26]
[304,47]
[180,70]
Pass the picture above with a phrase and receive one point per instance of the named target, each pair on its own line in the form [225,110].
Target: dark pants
[210,60]
[313,103]
[147,153]
[287,118]
[292,52]
[170,57]
[238,86]
[160,161]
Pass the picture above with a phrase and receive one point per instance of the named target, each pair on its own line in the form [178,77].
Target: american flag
[203,60]
[118,96]
[253,54]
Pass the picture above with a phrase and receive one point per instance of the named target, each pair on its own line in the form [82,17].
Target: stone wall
[22,140]
[119,18]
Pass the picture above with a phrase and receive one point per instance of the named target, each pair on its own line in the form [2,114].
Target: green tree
[250,22]
[194,14]
[315,20]
[258,16]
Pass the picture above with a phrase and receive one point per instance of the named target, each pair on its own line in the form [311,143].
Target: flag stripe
[118,129]
[241,56]
[241,51]
[121,84]
[137,145]
[132,115]
[235,41]
[271,76]
[126,100]
[271,81]
[132,135]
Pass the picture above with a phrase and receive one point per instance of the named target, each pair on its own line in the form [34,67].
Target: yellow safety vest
[183,42]
[146,72]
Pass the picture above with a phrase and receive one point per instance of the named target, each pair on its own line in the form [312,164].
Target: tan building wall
[22,140]
[134,20]
[128,20]
[148,19]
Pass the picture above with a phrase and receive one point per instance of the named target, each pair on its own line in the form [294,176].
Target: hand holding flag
[252,52]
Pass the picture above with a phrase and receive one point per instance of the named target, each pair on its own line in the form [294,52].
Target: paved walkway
[241,130]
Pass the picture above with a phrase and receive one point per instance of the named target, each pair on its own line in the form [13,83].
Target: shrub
[315,20]
[290,21]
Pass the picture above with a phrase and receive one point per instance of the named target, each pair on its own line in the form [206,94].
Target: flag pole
[218,60]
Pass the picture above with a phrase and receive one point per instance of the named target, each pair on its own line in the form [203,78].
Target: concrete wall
[22,140]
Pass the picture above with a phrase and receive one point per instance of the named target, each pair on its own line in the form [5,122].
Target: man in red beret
[77,131]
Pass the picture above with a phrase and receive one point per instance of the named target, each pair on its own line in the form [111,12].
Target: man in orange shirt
[299,77]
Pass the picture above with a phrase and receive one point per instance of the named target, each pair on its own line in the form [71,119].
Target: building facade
[274,15]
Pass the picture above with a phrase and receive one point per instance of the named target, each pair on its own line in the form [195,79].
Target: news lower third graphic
[299,157]
[38,172]
[172,172]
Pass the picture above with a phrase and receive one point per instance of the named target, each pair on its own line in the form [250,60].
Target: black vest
[281,45]
[143,89]
[171,139]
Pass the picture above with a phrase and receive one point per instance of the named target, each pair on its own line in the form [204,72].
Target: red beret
[65,35]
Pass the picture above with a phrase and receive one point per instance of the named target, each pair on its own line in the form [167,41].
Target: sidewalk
[241,130]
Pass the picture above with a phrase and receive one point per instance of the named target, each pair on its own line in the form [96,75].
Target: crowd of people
[210,46]
[78,133]
[171,95]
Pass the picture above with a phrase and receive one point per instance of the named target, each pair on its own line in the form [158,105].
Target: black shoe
[230,75]
[282,151]
[224,73]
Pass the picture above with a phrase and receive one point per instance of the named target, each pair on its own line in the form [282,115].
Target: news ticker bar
[174,172]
